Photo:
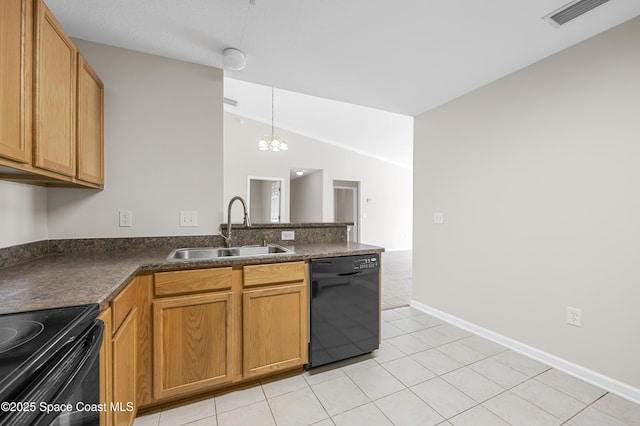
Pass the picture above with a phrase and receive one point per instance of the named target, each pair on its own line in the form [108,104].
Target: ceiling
[399,56]
[369,131]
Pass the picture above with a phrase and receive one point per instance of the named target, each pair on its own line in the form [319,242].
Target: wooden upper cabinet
[90,136]
[51,102]
[55,95]
[16,29]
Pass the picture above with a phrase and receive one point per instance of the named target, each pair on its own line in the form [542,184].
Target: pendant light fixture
[272,143]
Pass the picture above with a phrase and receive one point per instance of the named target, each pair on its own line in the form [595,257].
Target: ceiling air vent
[571,11]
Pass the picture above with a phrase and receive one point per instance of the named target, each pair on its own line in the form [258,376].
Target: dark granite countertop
[75,279]
[287,225]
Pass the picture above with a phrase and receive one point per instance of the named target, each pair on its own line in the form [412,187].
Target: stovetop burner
[25,334]
[18,332]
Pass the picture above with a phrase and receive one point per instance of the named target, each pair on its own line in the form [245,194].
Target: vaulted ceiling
[400,56]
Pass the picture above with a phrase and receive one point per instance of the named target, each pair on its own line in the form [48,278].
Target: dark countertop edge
[251,260]
[288,225]
[301,252]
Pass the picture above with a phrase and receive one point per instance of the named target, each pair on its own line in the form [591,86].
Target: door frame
[265,178]
[356,206]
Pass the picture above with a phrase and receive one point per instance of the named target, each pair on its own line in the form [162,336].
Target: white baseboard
[614,386]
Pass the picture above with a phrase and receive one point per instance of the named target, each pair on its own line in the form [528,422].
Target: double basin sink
[215,252]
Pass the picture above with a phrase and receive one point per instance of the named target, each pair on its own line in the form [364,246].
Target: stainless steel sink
[215,252]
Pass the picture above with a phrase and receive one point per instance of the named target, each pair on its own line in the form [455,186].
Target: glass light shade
[284,146]
[263,145]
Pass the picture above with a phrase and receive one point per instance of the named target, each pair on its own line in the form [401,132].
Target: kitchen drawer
[122,304]
[192,281]
[274,273]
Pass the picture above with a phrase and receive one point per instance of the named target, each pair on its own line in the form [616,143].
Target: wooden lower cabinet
[203,329]
[144,284]
[274,328]
[124,346]
[125,375]
[105,368]
[193,343]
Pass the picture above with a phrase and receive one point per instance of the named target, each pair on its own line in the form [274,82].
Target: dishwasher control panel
[364,263]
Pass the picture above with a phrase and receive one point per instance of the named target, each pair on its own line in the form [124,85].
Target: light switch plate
[438,217]
[288,235]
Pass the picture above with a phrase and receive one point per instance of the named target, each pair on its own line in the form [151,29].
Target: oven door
[67,392]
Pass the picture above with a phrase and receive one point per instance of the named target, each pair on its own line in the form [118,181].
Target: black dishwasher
[344,314]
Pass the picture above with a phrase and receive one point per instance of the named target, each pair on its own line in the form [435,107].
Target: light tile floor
[397,274]
[426,372]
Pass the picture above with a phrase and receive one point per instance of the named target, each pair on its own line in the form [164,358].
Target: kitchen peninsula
[156,351]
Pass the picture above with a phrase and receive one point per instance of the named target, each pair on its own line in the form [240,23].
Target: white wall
[387,217]
[306,198]
[23,214]
[163,149]
[538,177]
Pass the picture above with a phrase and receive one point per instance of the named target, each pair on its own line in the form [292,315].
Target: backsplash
[305,233]
[10,256]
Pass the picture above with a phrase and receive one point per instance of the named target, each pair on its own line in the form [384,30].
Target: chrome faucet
[246,221]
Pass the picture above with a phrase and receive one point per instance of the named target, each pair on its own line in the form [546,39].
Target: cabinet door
[274,328]
[105,368]
[144,284]
[192,343]
[15,80]
[55,95]
[90,137]
[124,371]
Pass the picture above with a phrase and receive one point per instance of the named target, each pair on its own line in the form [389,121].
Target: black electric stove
[42,352]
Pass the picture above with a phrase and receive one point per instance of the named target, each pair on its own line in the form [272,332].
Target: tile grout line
[273,416]
[488,378]
[440,376]
[589,405]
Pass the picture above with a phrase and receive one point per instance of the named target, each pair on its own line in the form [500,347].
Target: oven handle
[90,355]
[68,367]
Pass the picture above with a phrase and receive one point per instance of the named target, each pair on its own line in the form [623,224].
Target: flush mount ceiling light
[272,143]
[233,59]
[299,172]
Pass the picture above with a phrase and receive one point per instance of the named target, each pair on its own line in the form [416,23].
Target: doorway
[264,196]
[346,204]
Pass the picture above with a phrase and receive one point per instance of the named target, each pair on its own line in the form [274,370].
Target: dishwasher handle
[348,274]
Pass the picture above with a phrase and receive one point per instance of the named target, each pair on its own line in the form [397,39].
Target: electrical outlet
[126,219]
[188,218]
[574,316]
[288,235]
[438,217]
